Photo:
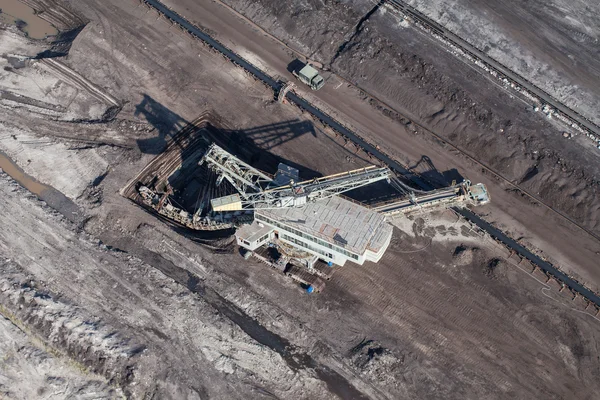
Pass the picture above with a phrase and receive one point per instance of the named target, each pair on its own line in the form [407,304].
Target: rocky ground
[106,300]
[28,370]
[553,44]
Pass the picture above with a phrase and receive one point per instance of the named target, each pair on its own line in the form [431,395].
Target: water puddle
[18,175]
[14,12]
[51,196]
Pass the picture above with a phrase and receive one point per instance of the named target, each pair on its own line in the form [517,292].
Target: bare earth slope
[159,313]
[554,44]
[122,318]
[47,376]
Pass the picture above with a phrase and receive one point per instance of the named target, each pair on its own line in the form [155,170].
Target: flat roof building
[334,229]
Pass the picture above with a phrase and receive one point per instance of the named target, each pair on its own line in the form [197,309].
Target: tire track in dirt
[458,310]
[78,80]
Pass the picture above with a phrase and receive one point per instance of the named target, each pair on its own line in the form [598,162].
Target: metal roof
[309,71]
[337,221]
[253,231]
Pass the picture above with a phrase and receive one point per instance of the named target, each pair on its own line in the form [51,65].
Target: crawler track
[374,151]
[78,80]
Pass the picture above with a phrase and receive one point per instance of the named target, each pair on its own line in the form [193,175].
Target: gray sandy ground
[118,293]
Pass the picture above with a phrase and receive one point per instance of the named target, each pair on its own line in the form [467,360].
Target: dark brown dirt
[420,80]
[418,77]
[445,314]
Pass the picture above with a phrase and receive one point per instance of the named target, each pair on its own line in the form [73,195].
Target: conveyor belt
[496,66]
[434,199]
[523,252]
[394,165]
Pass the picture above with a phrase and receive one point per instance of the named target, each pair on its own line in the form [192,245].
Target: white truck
[310,76]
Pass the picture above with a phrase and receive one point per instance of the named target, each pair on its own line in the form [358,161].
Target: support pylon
[283,91]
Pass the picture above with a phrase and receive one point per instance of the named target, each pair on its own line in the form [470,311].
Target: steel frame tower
[252,183]
[242,176]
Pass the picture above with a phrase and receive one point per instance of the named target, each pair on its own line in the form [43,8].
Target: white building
[333,230]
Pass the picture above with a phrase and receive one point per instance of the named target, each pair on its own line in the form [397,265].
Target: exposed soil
[554,44]
[48,376]
[421,81]
[115,301]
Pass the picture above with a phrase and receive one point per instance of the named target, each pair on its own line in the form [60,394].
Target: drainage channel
[293,356]
[50,195]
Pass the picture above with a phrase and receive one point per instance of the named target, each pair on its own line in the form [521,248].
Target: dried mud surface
[131,305]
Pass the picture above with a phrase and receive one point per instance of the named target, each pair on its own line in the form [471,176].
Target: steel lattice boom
[245,178]
[252,184]
[298,194]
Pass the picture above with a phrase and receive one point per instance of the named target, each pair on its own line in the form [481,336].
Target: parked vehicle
[309,76]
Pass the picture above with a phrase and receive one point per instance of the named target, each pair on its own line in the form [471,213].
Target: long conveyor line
[494,65]
[394,165]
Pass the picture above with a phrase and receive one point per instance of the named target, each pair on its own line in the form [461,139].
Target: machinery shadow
[270,136]
[383,192]
[295,65]
[374,193]
[193,185]
[166,123]
[426,169]
[253,145]
[180,145]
